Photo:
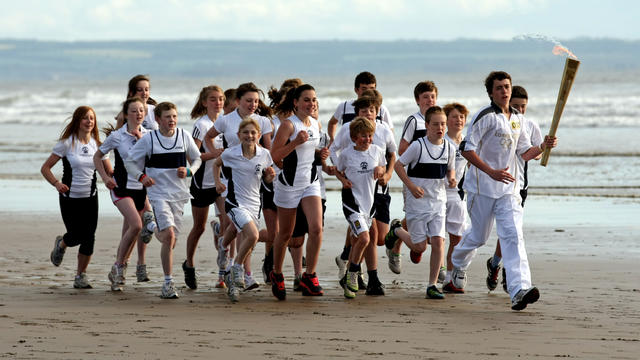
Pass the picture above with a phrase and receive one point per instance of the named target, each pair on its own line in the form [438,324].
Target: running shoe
[342,266]
[450,288]
[434,293]
[391,237]
[220,284]
[233,285]
[395,264]
[375,288]
[351,285]
[58,252]
[442,274]
[415,257]
[459,278]
[504,280]
[277,285]
[141,273]
[169,290]
[296,283]
[492,275]
[116,276]
[250,283]
[82,282]
[189,276]
[310,285]
[146,234]
[525,297]
[223,259]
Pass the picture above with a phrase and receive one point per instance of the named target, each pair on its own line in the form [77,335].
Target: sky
[291,20]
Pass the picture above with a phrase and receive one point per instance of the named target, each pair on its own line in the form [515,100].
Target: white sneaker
[342,266]
[250,283]
[141,273]
[223,260]
[116,276]
[459,278]
[146,234]
[169,290]
[395,264]
[232,290]
[351,285]
[82,282]
[237,274]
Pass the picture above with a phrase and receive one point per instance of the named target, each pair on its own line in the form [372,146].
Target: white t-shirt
[495,139]
[345,112]
[297,167]
[203,178]
[427,165]
[228,125]
[414,128]
[121,141]
[358,167]
[243,189]
[161,156]
[461,164]
[149,121]
[78,170]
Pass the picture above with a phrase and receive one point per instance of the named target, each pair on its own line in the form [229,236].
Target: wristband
[142,177]
[189,172]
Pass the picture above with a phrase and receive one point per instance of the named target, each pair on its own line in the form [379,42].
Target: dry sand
[589,307]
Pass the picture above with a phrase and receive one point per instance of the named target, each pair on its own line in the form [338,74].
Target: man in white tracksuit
[493,141]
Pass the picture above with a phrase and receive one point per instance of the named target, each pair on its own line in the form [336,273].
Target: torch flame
[559,50]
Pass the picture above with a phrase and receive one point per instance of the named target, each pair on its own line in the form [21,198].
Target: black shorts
[302,226]
[138,196]
[381,204]
[266,191]
[203,197]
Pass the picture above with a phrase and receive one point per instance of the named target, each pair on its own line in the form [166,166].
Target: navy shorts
[203,197]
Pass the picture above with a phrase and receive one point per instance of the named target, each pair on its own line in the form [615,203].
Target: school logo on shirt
[357,224]
[133,141]
[515,125]
[310,132]
[85,150]
[364,165]
[258,168]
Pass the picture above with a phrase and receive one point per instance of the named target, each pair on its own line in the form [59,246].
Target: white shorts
[456,217]
[359,223]
[241,217]
[168,213]
[425,225]
[289,197]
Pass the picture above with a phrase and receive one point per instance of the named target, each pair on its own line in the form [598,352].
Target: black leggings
[80,216]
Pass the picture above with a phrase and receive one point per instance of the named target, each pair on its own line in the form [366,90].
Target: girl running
[206,110]
[294,151]
[78,194]
[127,193]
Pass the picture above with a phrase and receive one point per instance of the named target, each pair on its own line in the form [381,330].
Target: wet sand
[589,305]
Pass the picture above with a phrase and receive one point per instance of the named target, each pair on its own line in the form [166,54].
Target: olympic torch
[569,74]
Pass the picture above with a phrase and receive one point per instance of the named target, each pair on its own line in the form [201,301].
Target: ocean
[41,83]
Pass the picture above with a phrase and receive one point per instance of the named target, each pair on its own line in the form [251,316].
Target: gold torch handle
[569,74]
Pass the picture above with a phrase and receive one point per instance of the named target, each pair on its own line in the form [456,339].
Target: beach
[589,305]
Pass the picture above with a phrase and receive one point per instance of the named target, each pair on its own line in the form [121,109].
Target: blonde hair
[248,121]
[361,125]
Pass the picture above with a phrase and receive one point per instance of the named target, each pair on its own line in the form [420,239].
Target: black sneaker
[375,288]
[190,276]
[492,275]
[525,297]
[277,285]
[310,285]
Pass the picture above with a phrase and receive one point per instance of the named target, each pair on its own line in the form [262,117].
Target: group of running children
[252,159]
